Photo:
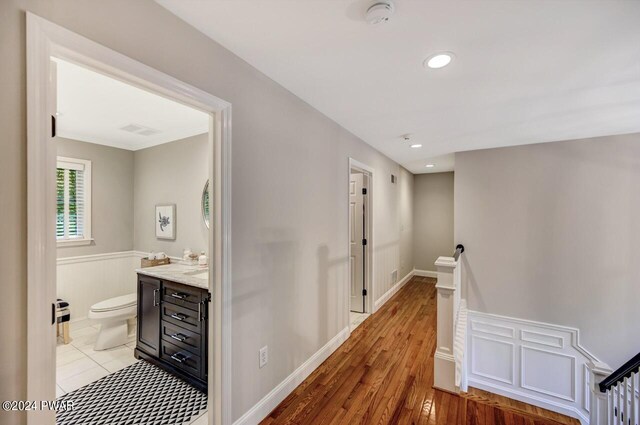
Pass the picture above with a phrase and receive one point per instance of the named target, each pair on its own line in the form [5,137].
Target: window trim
[64,162]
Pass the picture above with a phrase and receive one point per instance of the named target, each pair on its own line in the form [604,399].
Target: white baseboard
[395,288]
[425,273]
[512,357]
[269,402]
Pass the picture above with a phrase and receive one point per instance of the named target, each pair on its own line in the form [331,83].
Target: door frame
[44,40]
[369,252]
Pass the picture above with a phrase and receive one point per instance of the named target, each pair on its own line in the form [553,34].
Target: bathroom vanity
[173,302]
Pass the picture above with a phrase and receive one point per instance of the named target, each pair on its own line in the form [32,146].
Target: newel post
[444,361]
[598,372]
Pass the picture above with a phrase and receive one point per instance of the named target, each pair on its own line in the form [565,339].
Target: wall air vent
[140,130]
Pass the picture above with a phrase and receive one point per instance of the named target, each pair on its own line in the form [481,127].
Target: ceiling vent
[140,130]
[379,12]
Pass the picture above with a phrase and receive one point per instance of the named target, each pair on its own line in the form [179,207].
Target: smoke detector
[379,12]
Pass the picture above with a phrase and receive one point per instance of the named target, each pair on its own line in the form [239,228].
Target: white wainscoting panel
[494,359]
[86,280]
[538,363]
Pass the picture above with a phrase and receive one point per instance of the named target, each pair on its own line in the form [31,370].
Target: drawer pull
[179,316]
[178,337]
[179,357]
[179,295]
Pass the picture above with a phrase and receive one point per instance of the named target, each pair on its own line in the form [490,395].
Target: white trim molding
[425,273]
[538,363]
[44,41]
[370,252]
[392,291]
[269,402]
[95,257]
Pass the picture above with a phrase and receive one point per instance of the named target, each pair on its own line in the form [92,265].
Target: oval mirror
[205,204]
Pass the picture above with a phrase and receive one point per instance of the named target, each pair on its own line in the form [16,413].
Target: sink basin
[199,274]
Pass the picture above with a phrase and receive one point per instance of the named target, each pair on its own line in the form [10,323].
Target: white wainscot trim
[88,279]
[390,293]
[269,402]
[425,273]
[538,363]
[95,257]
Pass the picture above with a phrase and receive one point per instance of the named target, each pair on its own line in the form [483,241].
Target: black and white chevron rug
[140,394]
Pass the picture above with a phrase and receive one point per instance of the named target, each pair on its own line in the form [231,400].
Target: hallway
[383,374]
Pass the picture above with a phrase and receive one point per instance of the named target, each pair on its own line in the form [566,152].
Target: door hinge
[364,190]
[364,242]
[53,313]
[364,292]
[53,126]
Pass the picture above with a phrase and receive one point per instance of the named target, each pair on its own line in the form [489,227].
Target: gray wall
[551,234]
[171,173]
[432,218]
[290,193]
[111,197]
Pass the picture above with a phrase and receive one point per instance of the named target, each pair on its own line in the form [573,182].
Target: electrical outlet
[264,356]
[394,276]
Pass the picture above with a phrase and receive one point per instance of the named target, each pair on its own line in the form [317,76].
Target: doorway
[46,41]
[360,264]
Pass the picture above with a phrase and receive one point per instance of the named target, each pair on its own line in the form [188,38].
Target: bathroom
[132,209]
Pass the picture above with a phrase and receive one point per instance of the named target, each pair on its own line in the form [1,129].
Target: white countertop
[188,275]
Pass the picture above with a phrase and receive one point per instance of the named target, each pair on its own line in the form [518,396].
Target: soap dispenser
[202,260]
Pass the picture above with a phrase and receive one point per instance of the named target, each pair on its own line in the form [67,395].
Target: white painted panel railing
[449,359]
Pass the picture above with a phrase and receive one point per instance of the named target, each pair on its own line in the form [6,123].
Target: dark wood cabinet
[149,315]
[173,328]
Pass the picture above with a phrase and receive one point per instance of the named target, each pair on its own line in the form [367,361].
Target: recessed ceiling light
[417,145]
[430,165]
[439,60]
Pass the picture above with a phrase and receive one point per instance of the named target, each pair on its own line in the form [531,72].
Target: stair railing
[449,359]
[616,397]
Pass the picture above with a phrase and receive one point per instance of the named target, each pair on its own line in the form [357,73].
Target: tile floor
[200,420]
[78,364]
[355,319]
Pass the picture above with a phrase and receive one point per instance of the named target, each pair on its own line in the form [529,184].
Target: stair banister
[615,396]
[449,373]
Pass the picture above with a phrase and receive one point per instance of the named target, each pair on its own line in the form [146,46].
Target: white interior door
[356,237]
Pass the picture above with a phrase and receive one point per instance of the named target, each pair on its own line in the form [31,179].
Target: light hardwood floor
[383,374]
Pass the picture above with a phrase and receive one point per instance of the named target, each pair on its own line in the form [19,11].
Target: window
[73,202]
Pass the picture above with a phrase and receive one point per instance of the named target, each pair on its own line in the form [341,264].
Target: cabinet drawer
[182,317]
[182,295]
[181,337]
[182,359]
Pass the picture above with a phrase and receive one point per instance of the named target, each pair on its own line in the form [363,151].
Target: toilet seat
[116,303]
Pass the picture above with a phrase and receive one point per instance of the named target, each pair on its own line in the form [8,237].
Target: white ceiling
[525,71]
[93,108]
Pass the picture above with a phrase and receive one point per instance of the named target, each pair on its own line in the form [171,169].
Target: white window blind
[73,188]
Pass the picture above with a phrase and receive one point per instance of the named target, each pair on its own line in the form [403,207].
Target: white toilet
[113,315]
